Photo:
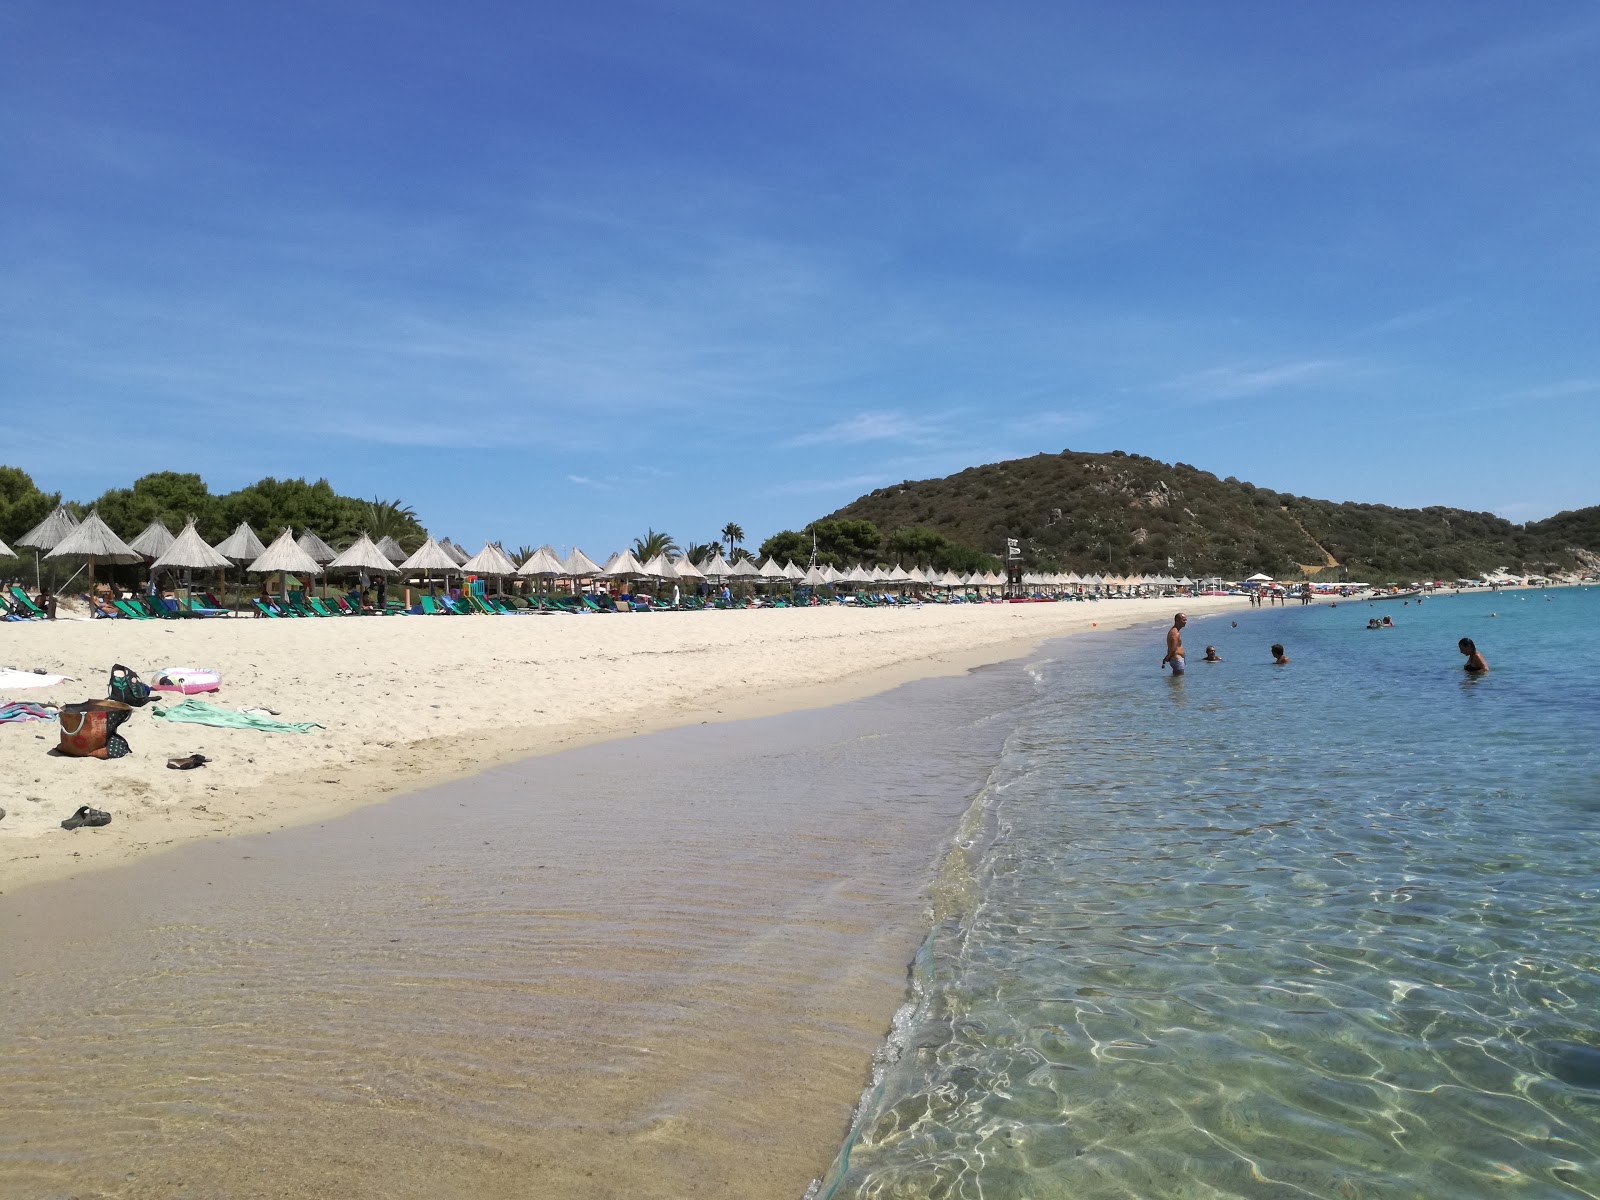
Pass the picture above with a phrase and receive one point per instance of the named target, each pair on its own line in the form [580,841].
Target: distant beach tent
[189,552]
[430,557]
[362,554]
[579,565]
[242,545]
[316,547]
[542,562]
[155,540]
[1259,578]
[48,533]
[94,541]
[392,550]
[284,557]
[492,561]
[622,566]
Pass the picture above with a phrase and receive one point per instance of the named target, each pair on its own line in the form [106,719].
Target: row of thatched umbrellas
[61,535]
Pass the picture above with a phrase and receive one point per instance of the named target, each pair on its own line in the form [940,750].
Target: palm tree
[391,518]
[733,534]
[523,554]
[652,544]
[700,553]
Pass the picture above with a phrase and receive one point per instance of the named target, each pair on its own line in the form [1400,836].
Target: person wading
[1175,644]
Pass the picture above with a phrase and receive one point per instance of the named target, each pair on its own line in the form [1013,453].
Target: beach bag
[89,730]
[127,687]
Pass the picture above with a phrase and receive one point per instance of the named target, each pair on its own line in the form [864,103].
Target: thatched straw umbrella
[242,545]
[189,552]
[542,562]
[491,561]
[431,557]
[6,551]
[94,540]
[454,551]
[316,547]
[363,555]
[284,557]
[155,541]
[47,535]
[392,550]
[622,566]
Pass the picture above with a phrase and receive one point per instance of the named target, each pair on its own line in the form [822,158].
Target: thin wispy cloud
[852,485]
[901,427]
[1239,382]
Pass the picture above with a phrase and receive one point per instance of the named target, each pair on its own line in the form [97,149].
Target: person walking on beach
[1475,665]
[1175,644]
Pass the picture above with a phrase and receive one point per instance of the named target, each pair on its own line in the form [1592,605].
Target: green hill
[1126,513]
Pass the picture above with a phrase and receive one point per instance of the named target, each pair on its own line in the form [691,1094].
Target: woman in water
[1474,664]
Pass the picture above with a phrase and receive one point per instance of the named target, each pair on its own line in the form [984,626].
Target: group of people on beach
[1475,664]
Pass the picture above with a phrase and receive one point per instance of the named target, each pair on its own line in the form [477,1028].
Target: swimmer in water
[1175,644]
[1211,655]
[1475,665]
[1279,658]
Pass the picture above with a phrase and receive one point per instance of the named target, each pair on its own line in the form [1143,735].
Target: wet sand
[657,967]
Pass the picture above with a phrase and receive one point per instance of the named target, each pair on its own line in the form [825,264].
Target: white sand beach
[409,701]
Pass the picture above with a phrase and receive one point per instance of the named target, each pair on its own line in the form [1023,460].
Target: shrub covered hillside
[1125,513]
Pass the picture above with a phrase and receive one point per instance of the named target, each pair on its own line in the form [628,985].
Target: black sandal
[92,817]
[188,762]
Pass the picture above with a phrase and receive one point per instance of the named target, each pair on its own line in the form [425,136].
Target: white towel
[12,680]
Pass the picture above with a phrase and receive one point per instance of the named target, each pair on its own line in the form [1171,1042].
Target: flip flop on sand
[92,817]
[188,762]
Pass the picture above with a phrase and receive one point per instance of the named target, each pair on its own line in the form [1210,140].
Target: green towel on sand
[198,712]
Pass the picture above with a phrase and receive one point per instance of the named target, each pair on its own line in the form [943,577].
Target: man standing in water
[1175,644]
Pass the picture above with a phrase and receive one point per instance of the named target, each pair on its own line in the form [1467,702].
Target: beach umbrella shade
[454,551]
[491,560]
[622,566]
[1259,578]
[771,570]
[687,570]
[579,565]
[363,554]
[47,534]
[814,576]
[94,541]
[392,550]
[744,567]
[284,557]
[717,568]
[659,568]
[242,545]
[542,562]
[189,552]
[431,556]
[154,540]
[318,549]
[6,551]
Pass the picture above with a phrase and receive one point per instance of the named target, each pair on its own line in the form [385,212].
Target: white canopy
[316,547]
[744,567]
[1259,578]
[659,567]
[621,565]
[189,551]
[362,555]
[431,556]
[491,560]
[771,570]
[242,545]
[154,540]
[790,571]
[6,551]
[391,549]
[94,540]
[47,534]
[285,555]
[542,562]
[684,569]
[579,565]
[717,568]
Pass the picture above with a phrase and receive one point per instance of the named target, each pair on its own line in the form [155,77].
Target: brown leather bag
[89,730]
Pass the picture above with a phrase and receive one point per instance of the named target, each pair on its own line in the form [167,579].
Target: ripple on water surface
[1320,930]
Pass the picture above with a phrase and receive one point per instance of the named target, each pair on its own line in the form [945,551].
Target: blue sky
[559,272]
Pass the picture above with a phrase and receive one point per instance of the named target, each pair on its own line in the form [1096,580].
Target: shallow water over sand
[1321,930]
[657,967]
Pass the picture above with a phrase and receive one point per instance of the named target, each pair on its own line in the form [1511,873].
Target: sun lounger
[26,606]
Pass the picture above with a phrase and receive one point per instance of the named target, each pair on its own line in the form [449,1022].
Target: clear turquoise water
[1323,930]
